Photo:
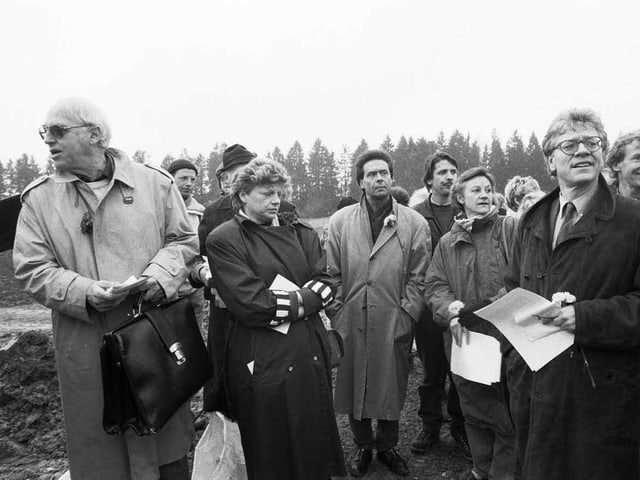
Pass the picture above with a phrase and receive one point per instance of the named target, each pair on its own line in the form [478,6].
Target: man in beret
[184,175]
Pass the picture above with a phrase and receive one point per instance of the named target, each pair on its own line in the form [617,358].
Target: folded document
[518,317]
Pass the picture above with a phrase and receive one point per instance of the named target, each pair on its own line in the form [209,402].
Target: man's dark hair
[345,202]
[400,194]
[430,165]
[372,155]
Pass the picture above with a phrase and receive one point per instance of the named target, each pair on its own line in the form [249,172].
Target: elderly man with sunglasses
[99,220]
[578,416]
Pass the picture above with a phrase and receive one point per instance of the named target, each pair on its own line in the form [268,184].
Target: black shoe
[394,462]
[425,440]
[463,444]
[360,461]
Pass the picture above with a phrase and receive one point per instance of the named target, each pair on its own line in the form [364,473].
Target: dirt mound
[30,408]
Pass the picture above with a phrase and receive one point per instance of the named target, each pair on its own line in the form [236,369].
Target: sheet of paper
[538,352]
[530,316]
[281,283]
[479,360]
[127,285]
[535,307]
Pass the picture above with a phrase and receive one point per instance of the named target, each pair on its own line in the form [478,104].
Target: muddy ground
[31,431]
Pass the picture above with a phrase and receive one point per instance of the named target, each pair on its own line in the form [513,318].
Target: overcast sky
[187,74]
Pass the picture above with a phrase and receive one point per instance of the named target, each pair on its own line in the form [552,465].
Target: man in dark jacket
[578,416]
[440,171]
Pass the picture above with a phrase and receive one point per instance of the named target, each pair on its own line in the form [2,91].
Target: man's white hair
[80,111]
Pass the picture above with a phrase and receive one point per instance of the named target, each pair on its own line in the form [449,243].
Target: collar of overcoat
[387,231]
[459,234]
[121,169]
[601,208]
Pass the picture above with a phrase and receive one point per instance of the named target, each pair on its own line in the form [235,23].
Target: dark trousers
[178,470]
[430,343]
[387,432]
[214,394]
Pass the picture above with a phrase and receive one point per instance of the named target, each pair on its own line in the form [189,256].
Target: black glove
[467,316]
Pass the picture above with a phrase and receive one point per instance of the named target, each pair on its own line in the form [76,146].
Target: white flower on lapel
[455,307]
[563,298]
[390,221]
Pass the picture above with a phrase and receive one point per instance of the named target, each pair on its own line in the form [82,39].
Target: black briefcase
[151,365]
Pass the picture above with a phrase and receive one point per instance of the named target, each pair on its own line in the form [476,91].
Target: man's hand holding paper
[565,319]
[518,317]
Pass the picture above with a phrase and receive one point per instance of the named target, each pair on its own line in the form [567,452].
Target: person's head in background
[624,161]
[440,173]
[500,202]
[233,158]
[473,192]
[400,194]
[528,200]
[184,175]
[517,187]
[345,202]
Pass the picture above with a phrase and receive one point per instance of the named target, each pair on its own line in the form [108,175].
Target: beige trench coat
[379,297]
[141,227]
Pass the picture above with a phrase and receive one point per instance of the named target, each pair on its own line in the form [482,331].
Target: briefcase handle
[162,326]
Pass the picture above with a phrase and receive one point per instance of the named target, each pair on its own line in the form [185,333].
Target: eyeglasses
[57,131]
[570,147]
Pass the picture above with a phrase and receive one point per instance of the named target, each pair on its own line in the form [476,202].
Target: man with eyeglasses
[578,416]
[97,221]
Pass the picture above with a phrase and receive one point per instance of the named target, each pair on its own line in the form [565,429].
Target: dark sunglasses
[57,131]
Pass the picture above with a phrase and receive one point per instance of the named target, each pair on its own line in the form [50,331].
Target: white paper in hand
[479,360]
[281,283]
[521,303]
[129,284]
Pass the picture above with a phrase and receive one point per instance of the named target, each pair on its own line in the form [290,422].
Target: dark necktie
[568,219]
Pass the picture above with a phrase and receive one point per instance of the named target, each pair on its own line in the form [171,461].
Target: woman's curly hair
[258,172]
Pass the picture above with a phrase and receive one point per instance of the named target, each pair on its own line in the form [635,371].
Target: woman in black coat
[278,382]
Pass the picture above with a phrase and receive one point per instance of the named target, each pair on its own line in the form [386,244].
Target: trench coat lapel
[386,233]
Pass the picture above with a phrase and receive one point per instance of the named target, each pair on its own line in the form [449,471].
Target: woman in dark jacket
[278,382]
[467,267]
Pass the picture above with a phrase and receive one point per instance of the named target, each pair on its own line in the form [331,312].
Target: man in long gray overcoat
[377,253]
[94,223]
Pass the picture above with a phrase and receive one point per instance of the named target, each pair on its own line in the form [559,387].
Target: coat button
[291,368]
